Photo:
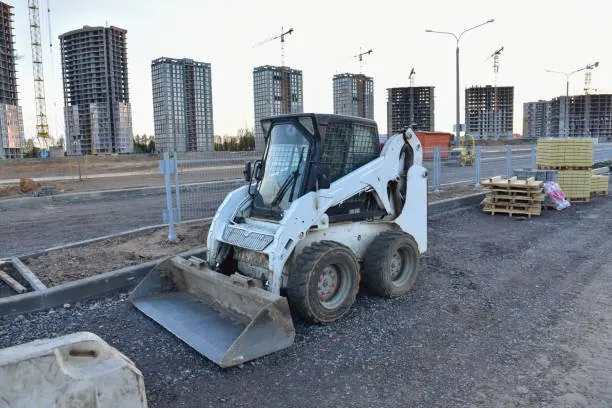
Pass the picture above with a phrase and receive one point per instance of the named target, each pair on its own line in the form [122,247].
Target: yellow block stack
[573,158]
[599,184]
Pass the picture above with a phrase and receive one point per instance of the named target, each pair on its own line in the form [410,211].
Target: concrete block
[79,370]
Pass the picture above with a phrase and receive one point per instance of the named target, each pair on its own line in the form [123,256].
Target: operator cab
[309,151]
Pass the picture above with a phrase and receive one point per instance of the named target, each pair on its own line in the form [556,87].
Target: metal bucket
[222,317]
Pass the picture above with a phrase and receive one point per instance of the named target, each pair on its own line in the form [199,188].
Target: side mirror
[323,176]
[258,171]
[247,172]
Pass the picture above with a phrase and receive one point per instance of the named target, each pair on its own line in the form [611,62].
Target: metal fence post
[177,187]
[533,156]
[437,168]
[166,170]
[508,160]
[477,165]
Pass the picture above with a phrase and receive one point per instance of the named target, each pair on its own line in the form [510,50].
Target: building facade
[276,91]
[97,108]
[354,95]
[12,140]
[410,106]
[489,111]
[535,119]
[182,105]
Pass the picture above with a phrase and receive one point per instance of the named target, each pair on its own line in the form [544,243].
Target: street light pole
[457,38]
[567,79]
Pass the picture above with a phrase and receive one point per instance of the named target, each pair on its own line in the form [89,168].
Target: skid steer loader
[324,209]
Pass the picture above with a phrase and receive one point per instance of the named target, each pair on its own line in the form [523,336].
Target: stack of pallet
[512,196]
[573,159]
[599,184]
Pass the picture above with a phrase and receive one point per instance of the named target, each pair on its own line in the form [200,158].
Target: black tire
[323,282]
[391,264]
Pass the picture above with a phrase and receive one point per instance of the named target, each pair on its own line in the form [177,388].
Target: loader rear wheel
[391,264]
[324,282]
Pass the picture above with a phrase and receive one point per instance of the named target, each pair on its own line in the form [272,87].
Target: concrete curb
[441,206]
[127,278]
[120,279]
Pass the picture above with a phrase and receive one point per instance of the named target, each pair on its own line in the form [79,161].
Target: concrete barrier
[79,370]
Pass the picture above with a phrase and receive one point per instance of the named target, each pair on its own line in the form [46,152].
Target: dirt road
[506,313]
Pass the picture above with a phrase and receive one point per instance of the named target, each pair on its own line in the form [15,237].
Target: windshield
[284,167]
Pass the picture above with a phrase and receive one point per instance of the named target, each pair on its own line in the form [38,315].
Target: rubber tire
[304,278]
[377,263]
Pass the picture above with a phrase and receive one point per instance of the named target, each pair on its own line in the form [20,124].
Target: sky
[536,36]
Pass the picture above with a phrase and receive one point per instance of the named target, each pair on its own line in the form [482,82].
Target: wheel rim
[402,266]
[332,286]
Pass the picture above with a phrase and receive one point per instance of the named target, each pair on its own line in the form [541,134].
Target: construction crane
[495,57]
[282,41]
[496,118]
[587,77]
[42,128]
[360,58]
[411,77]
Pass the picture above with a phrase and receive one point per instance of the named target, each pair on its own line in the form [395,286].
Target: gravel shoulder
[68,264]
[507,312]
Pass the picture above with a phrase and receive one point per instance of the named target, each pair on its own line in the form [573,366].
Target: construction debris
[513,196]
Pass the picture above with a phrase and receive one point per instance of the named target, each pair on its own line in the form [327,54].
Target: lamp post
[457,38]
[567,78]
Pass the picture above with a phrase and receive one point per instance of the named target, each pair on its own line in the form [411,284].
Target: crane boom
[282,41]
[411,77]
[42,128]
[360,57]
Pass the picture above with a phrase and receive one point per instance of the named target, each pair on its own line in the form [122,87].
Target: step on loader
[324,209]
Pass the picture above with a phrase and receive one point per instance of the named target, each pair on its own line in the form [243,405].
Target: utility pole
[457,38]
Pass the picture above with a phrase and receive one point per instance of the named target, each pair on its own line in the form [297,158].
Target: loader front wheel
[391,264]
[323,282]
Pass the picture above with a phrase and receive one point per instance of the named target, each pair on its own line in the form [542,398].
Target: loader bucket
[226,320]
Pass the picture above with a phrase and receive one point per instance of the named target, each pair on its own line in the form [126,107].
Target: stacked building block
[512,196]
[599,185]
[573,159]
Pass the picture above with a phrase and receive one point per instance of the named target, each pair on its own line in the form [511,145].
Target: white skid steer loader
[322,210]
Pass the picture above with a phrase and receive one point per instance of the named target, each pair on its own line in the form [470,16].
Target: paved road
[505,313]
[45,225]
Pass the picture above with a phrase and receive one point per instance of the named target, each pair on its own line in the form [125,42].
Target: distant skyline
[535,35]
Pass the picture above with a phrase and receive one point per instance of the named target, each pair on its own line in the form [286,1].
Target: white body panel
[295,230]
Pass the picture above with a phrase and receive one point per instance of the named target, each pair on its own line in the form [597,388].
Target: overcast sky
[536,35]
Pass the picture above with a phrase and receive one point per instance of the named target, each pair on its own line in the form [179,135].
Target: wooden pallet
[541,167]
[599,193]
[513,196]
[511,211]
[579,199]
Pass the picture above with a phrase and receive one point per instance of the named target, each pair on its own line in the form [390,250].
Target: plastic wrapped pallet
[599,184]
[565,153]
[576,184]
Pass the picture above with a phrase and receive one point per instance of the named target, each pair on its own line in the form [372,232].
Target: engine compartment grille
[246,238]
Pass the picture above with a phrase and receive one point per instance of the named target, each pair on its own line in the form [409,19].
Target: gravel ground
[507,312]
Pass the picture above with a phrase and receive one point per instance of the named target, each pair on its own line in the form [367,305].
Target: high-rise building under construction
[489,111]
[182,105]
[97,106]
[410,106]
[276,91]
[12,142]
[354,95]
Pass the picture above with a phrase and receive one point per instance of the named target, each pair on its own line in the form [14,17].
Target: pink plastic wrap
[555,196]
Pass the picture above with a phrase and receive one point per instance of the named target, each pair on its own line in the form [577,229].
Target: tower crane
[587,77]
[495,57]
[282,41]
[411,77]
[42,128]
[360,57]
